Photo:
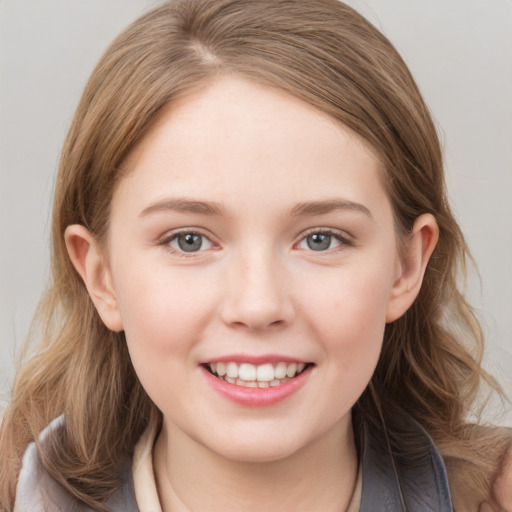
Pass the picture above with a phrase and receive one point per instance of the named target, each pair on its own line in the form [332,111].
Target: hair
[326,54]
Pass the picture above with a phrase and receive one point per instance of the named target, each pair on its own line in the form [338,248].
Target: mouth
[256,376]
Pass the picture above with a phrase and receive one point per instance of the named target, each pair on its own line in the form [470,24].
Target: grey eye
[318,241]
[189,242]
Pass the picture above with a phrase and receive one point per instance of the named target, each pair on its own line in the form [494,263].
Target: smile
[256,385]
[256,376]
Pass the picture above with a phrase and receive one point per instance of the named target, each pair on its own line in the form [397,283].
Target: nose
[257,296]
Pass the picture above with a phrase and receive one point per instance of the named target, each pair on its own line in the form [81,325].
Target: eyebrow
[184,205]
[211,208]
[327,206]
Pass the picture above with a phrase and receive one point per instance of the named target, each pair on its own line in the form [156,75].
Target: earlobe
[90,262]
[419,248]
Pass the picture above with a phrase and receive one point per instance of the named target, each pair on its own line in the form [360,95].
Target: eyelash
[344,241]
[167,240]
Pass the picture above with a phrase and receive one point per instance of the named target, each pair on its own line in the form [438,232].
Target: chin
[252,452]
[269,443]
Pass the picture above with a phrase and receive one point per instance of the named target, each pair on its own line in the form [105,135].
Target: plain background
[460,52]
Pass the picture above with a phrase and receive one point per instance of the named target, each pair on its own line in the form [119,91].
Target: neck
[320,476]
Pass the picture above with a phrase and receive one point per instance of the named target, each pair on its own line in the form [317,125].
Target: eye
[322,241]
[189,242]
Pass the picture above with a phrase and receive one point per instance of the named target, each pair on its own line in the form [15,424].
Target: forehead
[236,136]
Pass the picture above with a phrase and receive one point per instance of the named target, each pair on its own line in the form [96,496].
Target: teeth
[265,373]
[281,370]
[262,376]
[292,370]
[232,370]
[220,369]
[247,372]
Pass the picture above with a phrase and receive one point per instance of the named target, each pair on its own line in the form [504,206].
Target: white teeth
[262,376]
[221,369]
[247,372]
[280,371]
[232,370]
[292,370]
[265,373]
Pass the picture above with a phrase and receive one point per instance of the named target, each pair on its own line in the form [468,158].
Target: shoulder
[38,491]
[402,470]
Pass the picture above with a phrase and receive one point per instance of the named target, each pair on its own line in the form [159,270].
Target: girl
[254,299]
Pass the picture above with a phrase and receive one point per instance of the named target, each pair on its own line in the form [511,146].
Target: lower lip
[256,397]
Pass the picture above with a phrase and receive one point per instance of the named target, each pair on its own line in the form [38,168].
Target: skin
[255,288]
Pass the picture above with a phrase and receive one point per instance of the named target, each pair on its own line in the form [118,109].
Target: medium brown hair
[324,53]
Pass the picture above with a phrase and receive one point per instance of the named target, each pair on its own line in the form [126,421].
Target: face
[253,259]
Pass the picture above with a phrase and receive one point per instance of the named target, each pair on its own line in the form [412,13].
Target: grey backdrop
[460,52]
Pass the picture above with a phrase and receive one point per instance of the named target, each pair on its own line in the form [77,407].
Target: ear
[91,263]
[419,247]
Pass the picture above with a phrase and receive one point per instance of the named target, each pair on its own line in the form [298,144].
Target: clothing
[415,482]
[37,491]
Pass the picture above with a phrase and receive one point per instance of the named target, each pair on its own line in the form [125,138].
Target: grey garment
[410,480]
[404,474]
[37,491]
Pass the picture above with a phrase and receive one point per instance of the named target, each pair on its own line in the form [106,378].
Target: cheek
[163,321]
[164,313]
[349,316]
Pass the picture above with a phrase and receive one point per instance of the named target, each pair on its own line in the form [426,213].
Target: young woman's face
[252,235]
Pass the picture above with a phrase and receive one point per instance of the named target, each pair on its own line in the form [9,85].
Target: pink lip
[256,360]
[255,397]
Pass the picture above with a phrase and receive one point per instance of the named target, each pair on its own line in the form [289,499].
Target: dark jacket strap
[404,474]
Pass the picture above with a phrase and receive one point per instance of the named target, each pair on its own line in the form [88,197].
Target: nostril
[255,324]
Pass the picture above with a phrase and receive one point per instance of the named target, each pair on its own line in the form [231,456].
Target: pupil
[319,241]
[190,242]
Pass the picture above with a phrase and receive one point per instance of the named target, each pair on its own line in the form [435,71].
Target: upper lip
[255,360]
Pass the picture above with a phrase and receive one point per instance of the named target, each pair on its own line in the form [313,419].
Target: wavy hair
[326,54]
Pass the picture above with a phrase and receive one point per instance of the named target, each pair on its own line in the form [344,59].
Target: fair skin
[251,228]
